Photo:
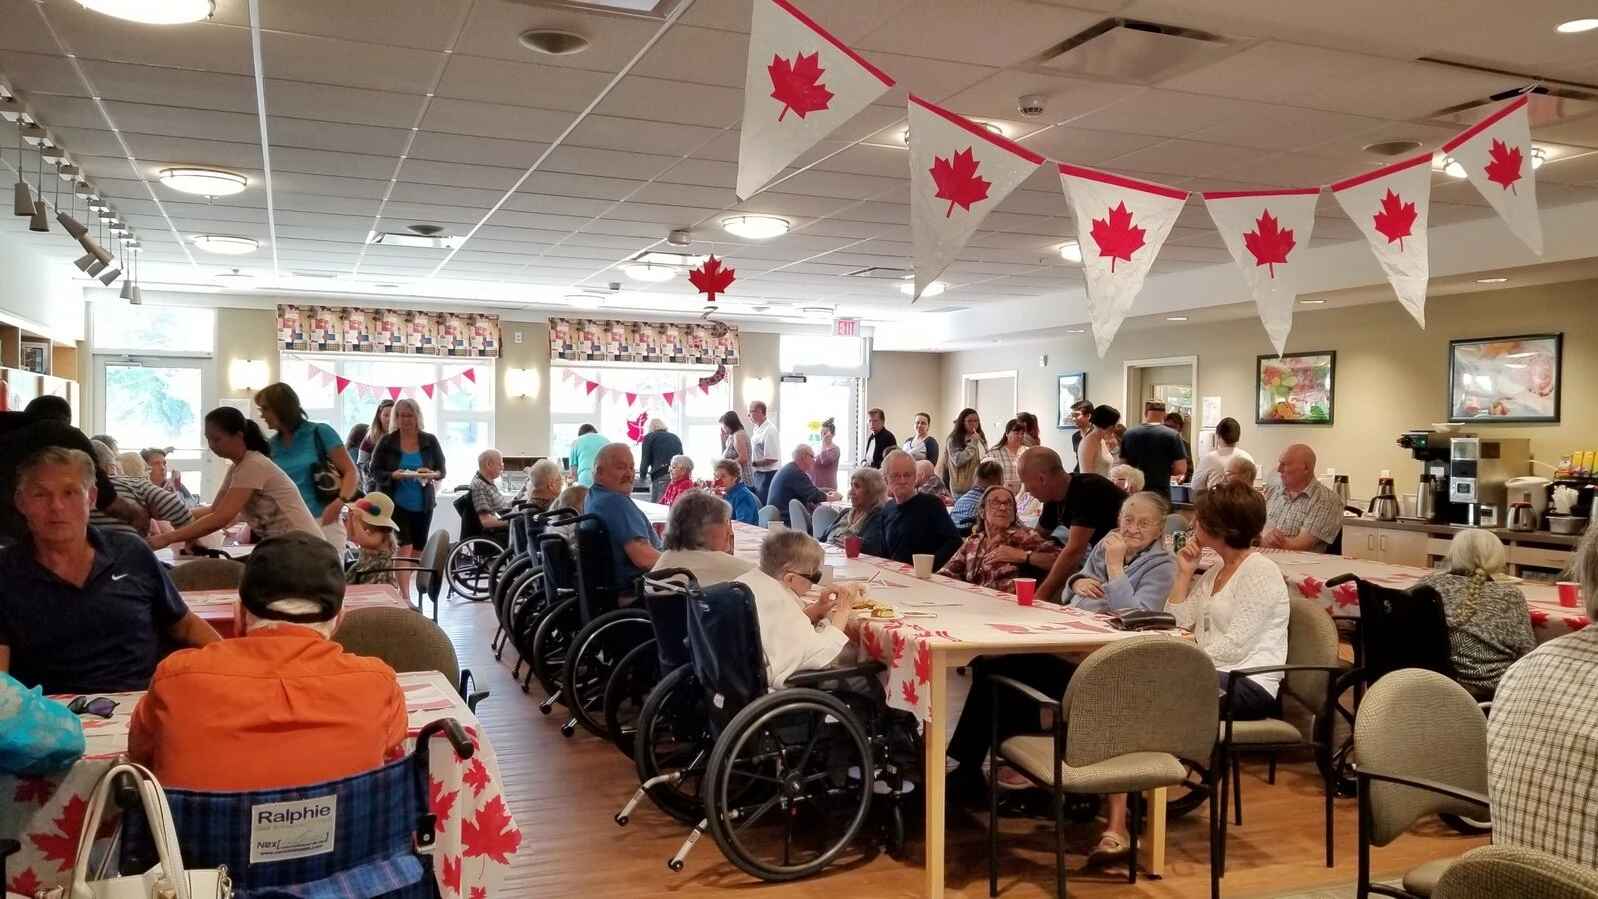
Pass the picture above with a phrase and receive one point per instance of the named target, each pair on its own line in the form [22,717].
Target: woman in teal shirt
[301,448]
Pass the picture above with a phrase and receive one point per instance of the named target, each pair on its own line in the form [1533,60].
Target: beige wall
[758,373]
[244,334]
[902,384]
[521,424]
[1391,375]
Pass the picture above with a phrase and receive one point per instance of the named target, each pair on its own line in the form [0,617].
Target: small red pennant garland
[324,377]
[394,393]
[592,386]
[428,389]
[470,374]
[634,398]
[342,382]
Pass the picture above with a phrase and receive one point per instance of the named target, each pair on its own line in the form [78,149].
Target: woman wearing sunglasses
[797,633]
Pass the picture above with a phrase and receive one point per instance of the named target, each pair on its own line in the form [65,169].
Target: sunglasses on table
[101,707]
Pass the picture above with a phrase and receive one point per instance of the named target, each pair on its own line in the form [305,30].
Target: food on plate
[882,610]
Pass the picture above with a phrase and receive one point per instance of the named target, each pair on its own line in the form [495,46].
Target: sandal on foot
[1011,779]
[1112,849]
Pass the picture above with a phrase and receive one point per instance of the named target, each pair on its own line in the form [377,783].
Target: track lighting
[22,198]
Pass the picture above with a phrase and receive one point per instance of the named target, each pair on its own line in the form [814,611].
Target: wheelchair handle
[1342,579]
[662,580]
[125,791]
[452,731]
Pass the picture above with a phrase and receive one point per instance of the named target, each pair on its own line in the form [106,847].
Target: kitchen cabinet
[1393,547]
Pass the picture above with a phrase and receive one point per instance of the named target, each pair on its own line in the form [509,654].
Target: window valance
[345,329]
[698,343]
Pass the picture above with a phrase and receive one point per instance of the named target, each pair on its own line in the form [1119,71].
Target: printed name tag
[285,830]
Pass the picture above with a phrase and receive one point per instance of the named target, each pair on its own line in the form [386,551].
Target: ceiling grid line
[266,143]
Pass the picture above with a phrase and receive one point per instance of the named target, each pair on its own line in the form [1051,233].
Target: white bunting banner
[1267,233]
[959,172]
[1390,206]
[802,83]
[1496,154]
[1121,223]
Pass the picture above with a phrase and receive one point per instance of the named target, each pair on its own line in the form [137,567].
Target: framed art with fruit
[1508,379]
[1295,390]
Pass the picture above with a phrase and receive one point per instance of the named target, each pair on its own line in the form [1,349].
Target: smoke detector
[1031,105]
[679,239]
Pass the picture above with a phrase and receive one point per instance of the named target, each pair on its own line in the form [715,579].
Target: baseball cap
[296,565]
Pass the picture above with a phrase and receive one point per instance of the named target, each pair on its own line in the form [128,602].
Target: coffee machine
[1479,470]
[1432,450]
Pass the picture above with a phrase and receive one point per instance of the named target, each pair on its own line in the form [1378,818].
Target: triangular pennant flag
[470,374]
[409,392]
[704,388]
[1267,233]
[632,398]
[1390,205]
[1496,154]
[1121,224]
[428,389]
[394,393]
[363,391]
[802,83]
[326,377]
[668,398]
[342,383]
[959,172]
[592,386]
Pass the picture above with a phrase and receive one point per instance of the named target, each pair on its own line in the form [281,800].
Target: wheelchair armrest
[1342,579]
[1422,783]
[8,848]
[824,675]
[998,680]
[452,730]
[469,692]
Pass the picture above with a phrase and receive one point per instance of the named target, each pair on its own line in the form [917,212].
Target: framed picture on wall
[1073,387]
[1509,379]
[36,357]
[1295,390]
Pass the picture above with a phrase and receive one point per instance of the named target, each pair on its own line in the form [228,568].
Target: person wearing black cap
[282,705]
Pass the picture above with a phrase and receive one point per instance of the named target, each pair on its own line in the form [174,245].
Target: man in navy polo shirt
[634,545]
[81,609]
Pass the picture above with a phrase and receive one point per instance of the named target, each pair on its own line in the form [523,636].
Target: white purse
[156,883]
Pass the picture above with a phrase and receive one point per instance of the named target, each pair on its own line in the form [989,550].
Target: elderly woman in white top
[797,634]
[699,538]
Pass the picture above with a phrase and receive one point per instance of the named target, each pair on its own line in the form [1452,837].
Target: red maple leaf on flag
[1575,622]
[958,181]
[908,688]
[1268,242]
[479,893]
[796,85]
[635,428]
[1310,588]
[25,884]
[711,279]
[1539,618]
[34,789]
[452,874]
[491,833]
[1116,236]
[440,802]
[476,777]
[923,664]
[1504,167]
[898,647]
[1395,219]
[62,847]
[1346,595]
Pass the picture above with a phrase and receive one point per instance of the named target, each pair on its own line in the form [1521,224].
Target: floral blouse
[974,564]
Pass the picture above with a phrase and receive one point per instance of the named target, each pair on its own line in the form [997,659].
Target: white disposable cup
[923,565]
[826,575]
[774,526]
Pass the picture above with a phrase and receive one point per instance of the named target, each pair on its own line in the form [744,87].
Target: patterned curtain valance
[344,329]
[699,343]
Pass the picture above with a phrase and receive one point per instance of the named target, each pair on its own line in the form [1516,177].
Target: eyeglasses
[814,578]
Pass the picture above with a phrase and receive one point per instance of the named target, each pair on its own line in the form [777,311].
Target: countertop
[1447,530]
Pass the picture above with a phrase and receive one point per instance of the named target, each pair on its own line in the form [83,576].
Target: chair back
[822,521]
[1493,872]
[471,525]
[1148,693]
[798,516]
[595,557]
[207,574]
[1402,629]
[1311,640]
[402,638]
[768,514]
[724,640]
[430,577]
[1418,723]
[1175,523]
[559,563]
[668,615]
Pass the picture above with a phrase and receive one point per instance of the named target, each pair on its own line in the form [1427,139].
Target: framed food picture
[1296,389]
[1073,388]
[1508,379]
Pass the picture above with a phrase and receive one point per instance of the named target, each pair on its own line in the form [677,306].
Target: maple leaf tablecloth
[476,833]
[216,607]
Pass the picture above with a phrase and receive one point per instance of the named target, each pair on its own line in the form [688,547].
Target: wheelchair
[642,669]
[467,569]
[384,831]
[787,780]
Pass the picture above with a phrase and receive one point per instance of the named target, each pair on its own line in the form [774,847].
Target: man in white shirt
[1213,467]
[765,450]
[796,635]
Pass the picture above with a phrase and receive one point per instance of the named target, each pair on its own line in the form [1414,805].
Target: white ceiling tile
[492,30]
[1290,170]
[698,55]
[454,174]
[361,188]
[1081,146]
[420,24]
[327,61]
[171,87]
[327,162]
[847,20]
[43,73]
[487,151]
[657,99]
[1410,90]
[148,148]
[1187,158]
[1165,113]
[338,136]
[520,83]
[469,119]
[304,100]
[1276,72]
[1287,128]
[1066,98]
[928,78]
[993,32]
[639,135]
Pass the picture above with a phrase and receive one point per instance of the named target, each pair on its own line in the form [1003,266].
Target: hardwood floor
[563,793]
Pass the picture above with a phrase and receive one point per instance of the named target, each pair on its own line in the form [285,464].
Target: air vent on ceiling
[438,241]
[328,276]
[1546,104]
[1130,50]
[642,9]
[879,272]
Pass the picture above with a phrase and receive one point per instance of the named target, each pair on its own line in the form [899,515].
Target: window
[152,329]
[818,354]
[694,415]
[461,417]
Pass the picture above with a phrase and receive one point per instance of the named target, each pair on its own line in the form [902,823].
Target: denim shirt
[1146,584]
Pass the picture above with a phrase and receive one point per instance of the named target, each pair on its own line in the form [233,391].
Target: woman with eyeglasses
[1008,453]
[1129,568]
[998,546]
[797,632]
[966,446]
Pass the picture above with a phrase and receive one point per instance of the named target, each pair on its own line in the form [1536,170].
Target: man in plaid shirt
[1300,512]
[1542,738]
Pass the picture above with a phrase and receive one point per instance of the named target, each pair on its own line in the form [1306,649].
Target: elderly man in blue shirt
[964,512]
[792,482]
[634,544]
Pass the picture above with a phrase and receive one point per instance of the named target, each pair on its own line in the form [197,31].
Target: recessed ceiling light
[234,278]
[1576,26]
[908,288]
[647,271]
[1392,147]
[1176,318]
[1491,280]
[204,182]
[755,227]
[990,127]
[1076,330]
[226,245]
[1071,251]
[1312,302]
[1538,157]
[1452,168]
[553,41]
[998,341]
[153,12]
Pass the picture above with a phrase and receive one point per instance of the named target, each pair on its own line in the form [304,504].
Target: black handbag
[325,476]
[1143,620]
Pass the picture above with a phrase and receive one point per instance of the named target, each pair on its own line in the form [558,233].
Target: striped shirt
[162,506]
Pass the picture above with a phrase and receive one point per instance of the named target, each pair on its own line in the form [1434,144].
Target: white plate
[912,613]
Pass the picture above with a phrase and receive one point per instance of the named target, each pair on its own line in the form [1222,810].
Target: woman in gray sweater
[1129,568]
[1489,626]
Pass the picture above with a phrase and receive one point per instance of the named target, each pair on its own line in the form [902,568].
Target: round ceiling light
[908,288]
[1576,26]
[553,41]
[1452,168]
[226,245]
[649,271]
[1392,147]
[204,182]
[234,278]
[154,12]
[1071,251]
[755,227]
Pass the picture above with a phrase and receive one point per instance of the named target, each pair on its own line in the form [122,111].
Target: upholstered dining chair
[822,521]
[407,641]
[798,516]
[768,514]
[207,574]
[1494,872]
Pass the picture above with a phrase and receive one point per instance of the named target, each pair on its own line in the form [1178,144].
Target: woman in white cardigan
[1237,611]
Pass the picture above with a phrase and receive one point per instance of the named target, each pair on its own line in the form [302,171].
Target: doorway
[160,402]
[992,394]
[802,405]
[1172,381]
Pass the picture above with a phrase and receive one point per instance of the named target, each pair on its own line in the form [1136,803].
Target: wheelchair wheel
[1335,735]
[789,784]
[626,693]
[551,640]
[1191,795]
[673,744]
[596,650]
[1470,827]
[466,569]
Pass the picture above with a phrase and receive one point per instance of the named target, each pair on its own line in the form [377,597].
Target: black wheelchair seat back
[668,614]
[724,640]
[560,568]
[596,591]
[1402,629]
[471,525]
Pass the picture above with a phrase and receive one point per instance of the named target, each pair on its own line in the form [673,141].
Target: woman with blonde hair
[1489,626]
[407,465]
[312,454]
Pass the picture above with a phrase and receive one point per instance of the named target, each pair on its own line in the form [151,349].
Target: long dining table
[216,607]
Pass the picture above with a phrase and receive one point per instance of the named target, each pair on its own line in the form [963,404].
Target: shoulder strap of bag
[321,449]
[156,810]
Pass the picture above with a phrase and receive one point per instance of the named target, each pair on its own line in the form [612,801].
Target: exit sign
[846,327]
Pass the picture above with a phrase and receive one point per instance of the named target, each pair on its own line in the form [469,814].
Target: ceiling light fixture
[234,278]
[908,288]
[1452,168]
[1491,280]
[226,245]
[553,41]
[648,271]
[1071,251]
[22,198]
[204,182]
[1176,318]
[1076,330]
[153,12]
[755,227]
[1576,26]
[1538,157]
[1312,302]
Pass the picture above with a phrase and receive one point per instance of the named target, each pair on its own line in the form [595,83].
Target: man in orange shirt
[281,706]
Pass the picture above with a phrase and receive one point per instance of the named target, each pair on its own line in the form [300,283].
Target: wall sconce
[521,382]
[248,375]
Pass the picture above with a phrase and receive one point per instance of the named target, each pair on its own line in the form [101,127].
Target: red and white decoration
[1390,206]
[1121,223]
[1496,156]
[802,84]
[959,172]
[379,391]
[1267,233]
[643,400]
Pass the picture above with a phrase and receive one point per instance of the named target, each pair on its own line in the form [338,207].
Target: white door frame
[214,467]
[965,383]
[1134,411]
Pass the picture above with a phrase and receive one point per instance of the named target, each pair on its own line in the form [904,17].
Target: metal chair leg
[1059,838]
[1270,775]
[1237,790]
[1329,796]
[1134,820]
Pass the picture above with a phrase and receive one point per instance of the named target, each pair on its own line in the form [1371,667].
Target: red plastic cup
[851,547]
[1025,589]
[1569,594]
